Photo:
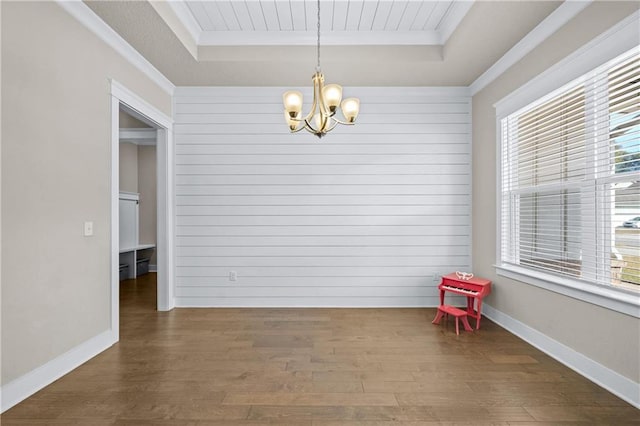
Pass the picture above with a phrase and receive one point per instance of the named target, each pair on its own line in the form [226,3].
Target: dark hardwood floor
[313,367]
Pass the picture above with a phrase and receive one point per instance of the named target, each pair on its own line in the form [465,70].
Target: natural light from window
[570,179]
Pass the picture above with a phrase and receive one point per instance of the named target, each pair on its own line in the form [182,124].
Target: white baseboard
[23,387]
[615,383]
[309,302]
[153,268]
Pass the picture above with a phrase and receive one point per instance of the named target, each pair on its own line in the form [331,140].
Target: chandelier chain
[318,66]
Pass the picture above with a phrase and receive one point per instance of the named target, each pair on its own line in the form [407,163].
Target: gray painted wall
[55,176]
[608,337]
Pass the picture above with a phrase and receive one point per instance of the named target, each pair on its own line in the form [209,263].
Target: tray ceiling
[343,22]
[157,30]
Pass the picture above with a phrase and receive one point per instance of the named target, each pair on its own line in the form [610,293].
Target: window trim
[616,299]
[619,39]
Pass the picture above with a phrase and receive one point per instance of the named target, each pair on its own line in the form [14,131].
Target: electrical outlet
[88,229]
[436,277]
[233,276]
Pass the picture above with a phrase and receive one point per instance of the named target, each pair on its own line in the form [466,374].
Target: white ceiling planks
[368,14]
[340,10]
[422,16]
[299,15]
[270,13]
[284,22]
[243,15]
[382,15]
[354,13]
[254,9]
[440,12]
[395,15]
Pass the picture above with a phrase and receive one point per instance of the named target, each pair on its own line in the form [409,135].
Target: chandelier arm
[325,113]
[297,129]
[310,115]
[314,104]
[322,106]
[299,120]
[311,131]
[309,127]
[315,133]
[331,127]
[346,123]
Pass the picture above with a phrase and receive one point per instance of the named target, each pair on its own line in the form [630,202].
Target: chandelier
[326,99]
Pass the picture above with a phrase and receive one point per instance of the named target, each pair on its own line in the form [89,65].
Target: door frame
[149,114]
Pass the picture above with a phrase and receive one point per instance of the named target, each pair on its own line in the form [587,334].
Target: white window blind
[570,179]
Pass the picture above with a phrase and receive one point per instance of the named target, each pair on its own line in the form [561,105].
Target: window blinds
[570,173]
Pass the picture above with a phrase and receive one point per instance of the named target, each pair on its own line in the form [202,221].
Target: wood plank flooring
[313,367]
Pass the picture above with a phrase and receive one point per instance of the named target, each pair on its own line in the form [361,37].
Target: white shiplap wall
[365,216]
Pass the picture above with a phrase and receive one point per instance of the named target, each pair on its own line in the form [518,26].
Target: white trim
[129,98]
[299,302]
[115,218]
[552,23]
[453,18]
[619,300]
[182,12]
[498,191]
[153,268]
[164,170]
[90,20]
[612,381]
[138,136]
[165,250]
[30,383]
[617,40]
[181,26]
[362,91]
[309,38]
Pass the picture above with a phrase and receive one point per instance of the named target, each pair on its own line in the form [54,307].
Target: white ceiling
[343,22]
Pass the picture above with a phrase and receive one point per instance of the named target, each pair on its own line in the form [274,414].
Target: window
[570,180]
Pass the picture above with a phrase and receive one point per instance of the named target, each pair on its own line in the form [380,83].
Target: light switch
[88,229]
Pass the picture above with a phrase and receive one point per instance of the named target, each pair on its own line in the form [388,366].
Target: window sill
[616,299]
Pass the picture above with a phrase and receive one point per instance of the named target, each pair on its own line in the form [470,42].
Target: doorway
[138,189]
[126,105]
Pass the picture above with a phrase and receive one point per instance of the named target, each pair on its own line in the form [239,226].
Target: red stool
[458,313]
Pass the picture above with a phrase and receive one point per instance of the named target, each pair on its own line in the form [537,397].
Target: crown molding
[91,21]
[453,18]
[180,21]
[309,38]
[618,39]
[552,23]
[363,91]
[182,12]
